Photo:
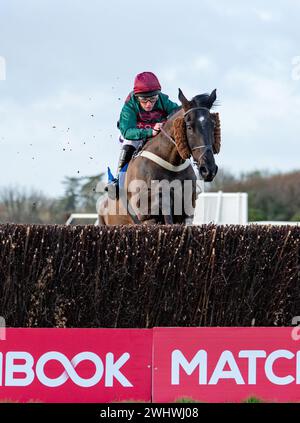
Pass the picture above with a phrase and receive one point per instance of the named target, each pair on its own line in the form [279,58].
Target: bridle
[206,147]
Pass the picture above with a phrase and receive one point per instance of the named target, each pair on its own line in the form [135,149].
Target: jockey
[145,110]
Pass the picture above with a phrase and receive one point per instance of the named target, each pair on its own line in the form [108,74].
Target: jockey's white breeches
[135,143]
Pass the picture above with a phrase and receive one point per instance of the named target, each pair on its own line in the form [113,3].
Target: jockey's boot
[125,156]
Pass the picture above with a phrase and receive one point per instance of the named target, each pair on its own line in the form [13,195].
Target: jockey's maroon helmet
[146,84]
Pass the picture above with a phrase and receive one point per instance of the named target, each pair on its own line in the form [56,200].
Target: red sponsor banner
[76,365]
[226,364]
[105,365]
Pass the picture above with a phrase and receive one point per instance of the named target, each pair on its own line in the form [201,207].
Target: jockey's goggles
[144,100]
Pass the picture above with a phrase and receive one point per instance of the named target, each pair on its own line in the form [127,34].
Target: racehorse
[191,132]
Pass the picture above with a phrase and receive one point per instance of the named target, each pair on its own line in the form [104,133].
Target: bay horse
[192,131]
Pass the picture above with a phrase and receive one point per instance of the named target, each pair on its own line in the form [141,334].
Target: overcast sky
[66,67]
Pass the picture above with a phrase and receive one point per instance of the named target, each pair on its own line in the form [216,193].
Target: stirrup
[115,181]
[112,188]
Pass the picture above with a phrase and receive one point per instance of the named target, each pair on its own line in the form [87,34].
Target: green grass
[253,400]
[184,400]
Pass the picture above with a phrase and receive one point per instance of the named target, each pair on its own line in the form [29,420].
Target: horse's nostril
[204,171]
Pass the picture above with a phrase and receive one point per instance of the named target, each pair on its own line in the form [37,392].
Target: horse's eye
[189,128]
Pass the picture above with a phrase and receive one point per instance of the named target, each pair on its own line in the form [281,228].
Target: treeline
[18,205]
[270,196]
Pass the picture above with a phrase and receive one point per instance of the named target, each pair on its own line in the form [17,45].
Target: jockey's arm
[127,125]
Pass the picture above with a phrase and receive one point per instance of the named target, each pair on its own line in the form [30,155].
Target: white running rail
[74,216]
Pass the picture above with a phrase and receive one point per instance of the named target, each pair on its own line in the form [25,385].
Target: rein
[167,135]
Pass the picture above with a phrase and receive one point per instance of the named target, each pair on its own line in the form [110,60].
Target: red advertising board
[76,365]
[107,365]
[226,364]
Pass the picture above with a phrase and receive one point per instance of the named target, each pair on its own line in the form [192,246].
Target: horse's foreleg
[188,220]
[168,219]
[101,220]
[149,222]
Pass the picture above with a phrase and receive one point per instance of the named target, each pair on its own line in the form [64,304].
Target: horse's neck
[164,147]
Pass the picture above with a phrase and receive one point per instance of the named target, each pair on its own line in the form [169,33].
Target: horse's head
[197,134]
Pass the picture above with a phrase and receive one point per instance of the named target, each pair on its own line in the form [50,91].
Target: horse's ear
[212,97]
[183,100]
